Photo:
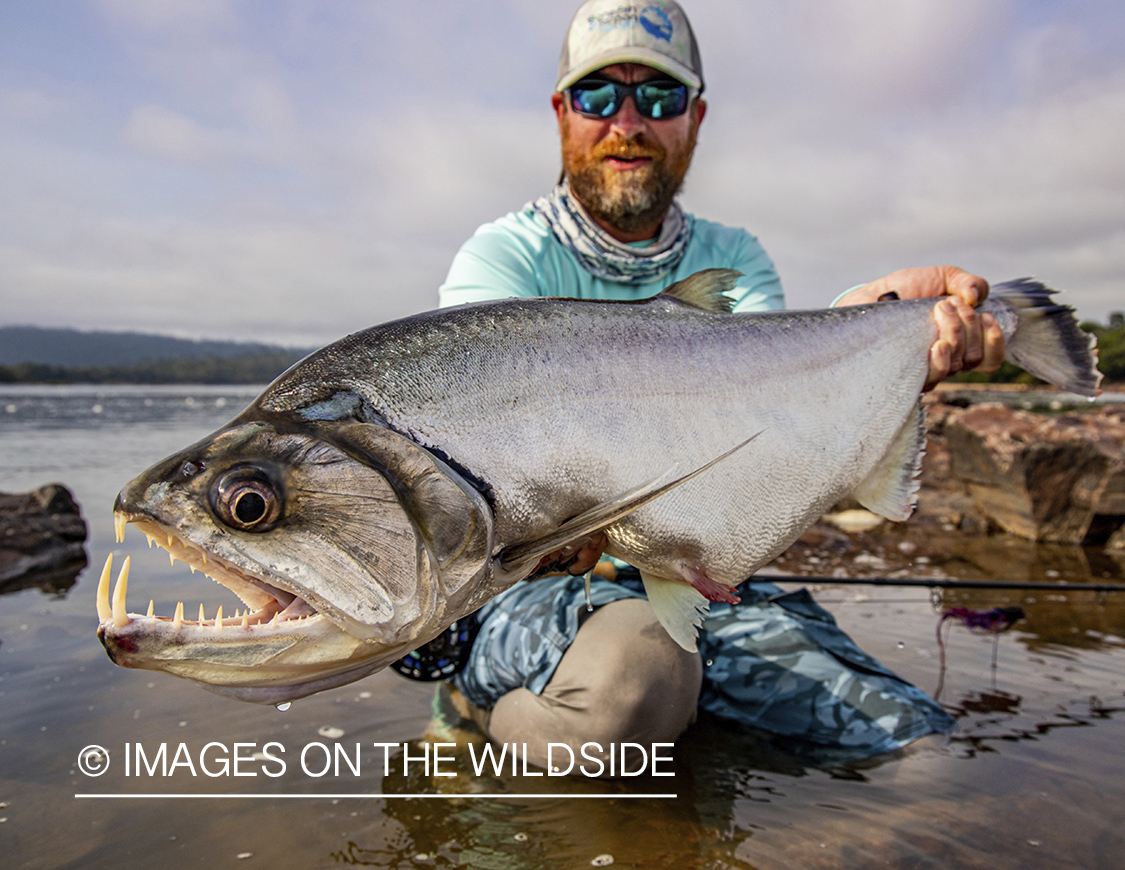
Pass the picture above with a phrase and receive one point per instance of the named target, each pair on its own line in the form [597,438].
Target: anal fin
[679,607]
[891,489]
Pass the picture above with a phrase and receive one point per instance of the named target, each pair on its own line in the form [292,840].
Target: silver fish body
[464,443]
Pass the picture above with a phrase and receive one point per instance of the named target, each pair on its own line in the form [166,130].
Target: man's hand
[576,559]
[966,340]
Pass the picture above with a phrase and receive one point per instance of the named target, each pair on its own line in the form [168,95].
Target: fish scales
[561,404]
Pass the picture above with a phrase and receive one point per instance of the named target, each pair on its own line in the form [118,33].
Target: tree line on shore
[250,369]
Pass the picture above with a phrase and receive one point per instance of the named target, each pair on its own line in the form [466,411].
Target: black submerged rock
[41,539]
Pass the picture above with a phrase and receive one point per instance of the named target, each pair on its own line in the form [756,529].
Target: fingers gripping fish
[397,479]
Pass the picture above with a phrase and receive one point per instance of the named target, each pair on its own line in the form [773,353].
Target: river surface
[1033,778]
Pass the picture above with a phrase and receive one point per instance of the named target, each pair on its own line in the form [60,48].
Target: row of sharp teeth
[113,610]
[119,523]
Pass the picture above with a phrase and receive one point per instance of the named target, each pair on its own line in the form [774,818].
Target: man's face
[626,169]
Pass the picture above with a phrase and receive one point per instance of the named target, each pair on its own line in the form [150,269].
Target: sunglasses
[602,98]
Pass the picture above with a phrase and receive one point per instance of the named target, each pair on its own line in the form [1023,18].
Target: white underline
[488,796]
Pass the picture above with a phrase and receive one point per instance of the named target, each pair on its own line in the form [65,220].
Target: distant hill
[73,348]
[32,354]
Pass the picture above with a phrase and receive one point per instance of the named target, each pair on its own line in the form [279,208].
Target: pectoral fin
[600,516]
[891,489]
[679,607]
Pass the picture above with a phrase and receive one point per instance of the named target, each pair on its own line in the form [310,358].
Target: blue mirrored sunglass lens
[603,100]
[660,101]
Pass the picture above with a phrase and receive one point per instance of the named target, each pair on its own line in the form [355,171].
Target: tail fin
[1047,340]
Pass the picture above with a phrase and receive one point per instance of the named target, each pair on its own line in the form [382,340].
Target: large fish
[397,479]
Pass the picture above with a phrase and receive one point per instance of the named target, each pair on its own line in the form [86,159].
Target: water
[1034,777]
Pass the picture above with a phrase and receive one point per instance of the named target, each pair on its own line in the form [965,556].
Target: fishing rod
[1061,586]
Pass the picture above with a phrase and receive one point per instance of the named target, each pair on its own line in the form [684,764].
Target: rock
[40,531]
[1046,478]
[1116,541]
[854,520]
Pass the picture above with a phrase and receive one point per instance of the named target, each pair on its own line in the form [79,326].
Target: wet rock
[854,520]
[1041,477]
[41,531]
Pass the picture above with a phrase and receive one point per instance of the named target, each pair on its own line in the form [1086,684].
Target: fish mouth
[279,648]
[267,606]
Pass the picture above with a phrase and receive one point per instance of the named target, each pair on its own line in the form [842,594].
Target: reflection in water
[989,719]
[56,580]
[984,703]
[993,621]
[562,828]
[719,767]
[1054,620]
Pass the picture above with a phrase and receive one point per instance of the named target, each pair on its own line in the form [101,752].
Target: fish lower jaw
[269,609]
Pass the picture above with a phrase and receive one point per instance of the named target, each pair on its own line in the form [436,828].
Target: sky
[294,170]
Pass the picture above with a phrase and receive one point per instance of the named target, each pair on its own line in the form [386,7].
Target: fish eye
[246,499]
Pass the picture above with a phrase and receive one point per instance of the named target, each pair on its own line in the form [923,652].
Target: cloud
[171,17]
[163,133]
[887,52]
[28,104]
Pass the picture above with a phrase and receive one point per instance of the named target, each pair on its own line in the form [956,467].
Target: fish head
[349,544]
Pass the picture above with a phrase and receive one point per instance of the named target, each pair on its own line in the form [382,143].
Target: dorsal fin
[706,289]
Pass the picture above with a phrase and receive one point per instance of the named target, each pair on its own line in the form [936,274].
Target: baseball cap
[606,32]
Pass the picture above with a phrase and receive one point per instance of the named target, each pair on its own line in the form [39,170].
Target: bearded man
[554,663]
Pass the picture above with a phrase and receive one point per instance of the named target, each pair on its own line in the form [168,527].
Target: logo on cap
[662,28]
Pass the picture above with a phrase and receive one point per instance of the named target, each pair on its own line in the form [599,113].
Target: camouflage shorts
[777,662]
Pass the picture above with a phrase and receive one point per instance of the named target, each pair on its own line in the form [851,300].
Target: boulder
[40,531]
[1047,478]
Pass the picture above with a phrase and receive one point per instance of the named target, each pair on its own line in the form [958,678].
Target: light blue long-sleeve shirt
[518,255]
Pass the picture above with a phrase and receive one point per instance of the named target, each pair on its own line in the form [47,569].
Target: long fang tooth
[120,617]
[219,619]
[151,541]
[204,558]
[202,618]
[171,559]
[276,615]
[170,539]
[246,619]
[178,619]
[119,528]
[192,568]
[150,609]
[104,610]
